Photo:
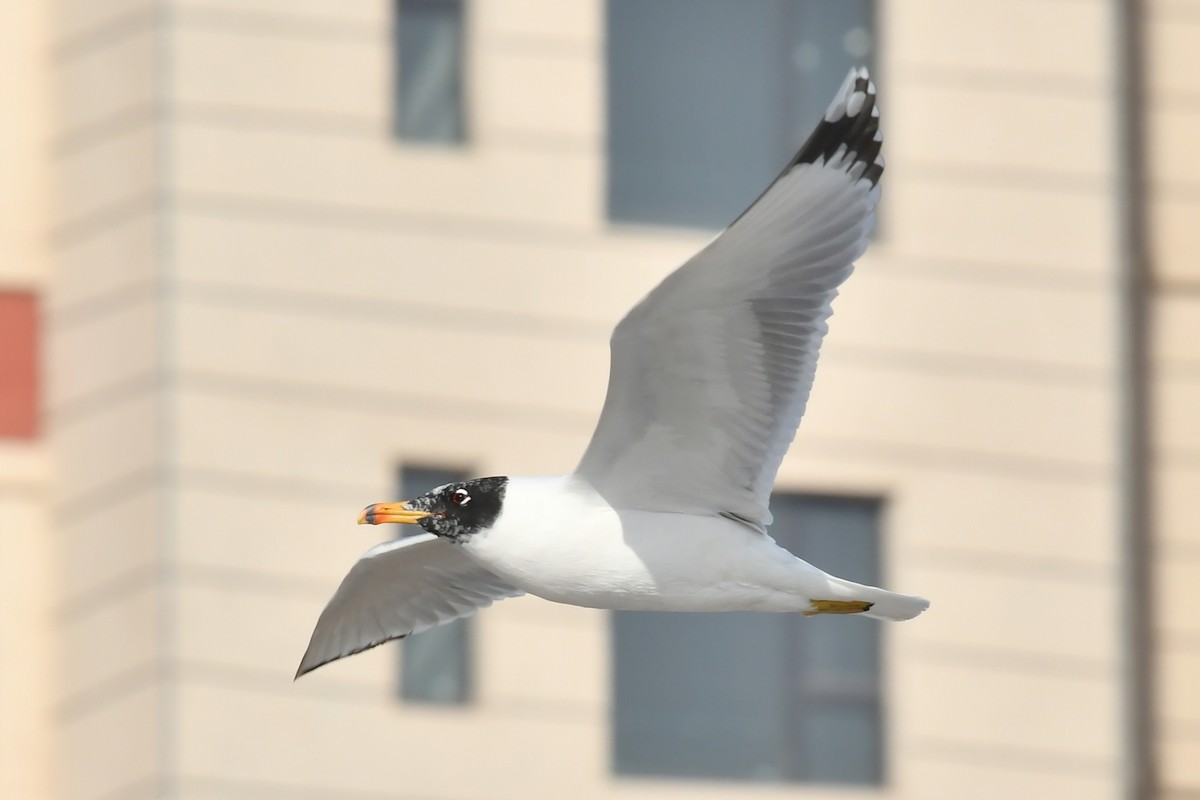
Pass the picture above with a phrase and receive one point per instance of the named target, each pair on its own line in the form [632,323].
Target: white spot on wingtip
[836,111]
[855,103]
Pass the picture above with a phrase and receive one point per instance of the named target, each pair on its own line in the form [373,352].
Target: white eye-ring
[460,497]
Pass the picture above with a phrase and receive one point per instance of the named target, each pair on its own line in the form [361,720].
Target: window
[435,664]
[707,99]
[429,72]
[761,697]
[18,365]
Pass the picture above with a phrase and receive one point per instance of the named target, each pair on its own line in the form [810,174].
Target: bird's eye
[460,497]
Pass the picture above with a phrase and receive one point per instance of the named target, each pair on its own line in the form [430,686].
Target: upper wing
[397,588]
[711,372]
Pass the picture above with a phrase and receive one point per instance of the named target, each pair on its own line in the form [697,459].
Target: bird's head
[454,511]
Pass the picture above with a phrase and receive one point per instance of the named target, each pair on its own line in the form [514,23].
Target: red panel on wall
[18,365]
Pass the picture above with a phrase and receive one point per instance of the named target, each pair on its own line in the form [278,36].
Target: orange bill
[392,512]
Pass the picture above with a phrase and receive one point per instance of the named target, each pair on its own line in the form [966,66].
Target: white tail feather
[884,604]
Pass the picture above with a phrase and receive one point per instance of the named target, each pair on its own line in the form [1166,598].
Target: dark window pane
[429,67]
[840,741]
[436,664]
[695,126]
[827,39]
[838,729]
[762,697]
[707,99]
[695,695]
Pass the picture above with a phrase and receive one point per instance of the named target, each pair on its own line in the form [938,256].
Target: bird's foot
[837,607]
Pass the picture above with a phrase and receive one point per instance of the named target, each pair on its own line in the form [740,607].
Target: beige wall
[1173,131]
[246,261]
[27,575]
[106,394]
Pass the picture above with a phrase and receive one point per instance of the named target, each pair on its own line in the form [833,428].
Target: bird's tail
[884,604]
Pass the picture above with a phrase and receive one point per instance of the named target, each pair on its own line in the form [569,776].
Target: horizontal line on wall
[1006,660]
[1165,288]
[113,490]
[374,128]
[65,414]
[1187,458]
[212,785]
[1161,99]
[305,122]
[1044,181]
[104,129]
[987,463]
[331,396]
[432,314]
[113,300]
[127,682]
[1188,192]
[427,313]
[579,423]
[1176,641]
[79,229]
[26,489]
[283,26]
[151,787]
[1045,278]
[1166,10]
[107,33]
[1171,549]
[253,581]
[399,222]
[114,217]
[979,80]
[1047,567]
[340,215]
[377,31]
[1018,759]
[262,680]
[967,365]
[144,577]
[363,127]
[1177,370]
[237,482]
[1176,728]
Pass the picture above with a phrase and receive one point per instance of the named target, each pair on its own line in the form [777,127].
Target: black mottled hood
[462,509]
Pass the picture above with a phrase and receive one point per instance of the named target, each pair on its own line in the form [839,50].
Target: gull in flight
[667,510]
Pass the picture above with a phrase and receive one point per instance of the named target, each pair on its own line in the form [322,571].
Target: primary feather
[711,372]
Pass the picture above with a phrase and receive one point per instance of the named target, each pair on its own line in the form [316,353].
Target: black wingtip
[848,135]
[304,668]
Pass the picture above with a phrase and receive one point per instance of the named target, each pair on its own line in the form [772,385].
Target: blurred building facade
[264,292]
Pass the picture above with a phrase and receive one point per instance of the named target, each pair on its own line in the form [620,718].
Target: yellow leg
[837,607]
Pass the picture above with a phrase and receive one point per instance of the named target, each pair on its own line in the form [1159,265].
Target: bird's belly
[651,562]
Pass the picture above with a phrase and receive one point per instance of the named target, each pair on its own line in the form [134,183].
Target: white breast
[558,539]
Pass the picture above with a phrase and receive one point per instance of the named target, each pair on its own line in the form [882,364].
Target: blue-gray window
[429,96]
[435,664]
[760,697]
[707,99]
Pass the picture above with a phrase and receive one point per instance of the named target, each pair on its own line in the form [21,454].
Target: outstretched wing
[711,372]
[398,588]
